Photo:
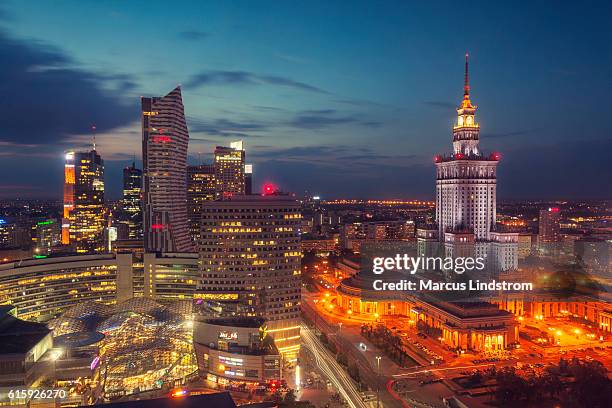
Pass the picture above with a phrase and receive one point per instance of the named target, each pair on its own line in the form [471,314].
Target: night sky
[344,99]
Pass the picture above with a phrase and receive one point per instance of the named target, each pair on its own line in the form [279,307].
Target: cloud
[317,119]
[47,98]
[247,78]
[193,35]
[225,127]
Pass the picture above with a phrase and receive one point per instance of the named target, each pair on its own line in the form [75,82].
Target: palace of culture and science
[466,183]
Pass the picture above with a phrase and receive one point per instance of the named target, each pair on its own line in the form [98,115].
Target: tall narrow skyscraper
[201,187]
[164,149]
[229,169]
[131,202]
[84,211]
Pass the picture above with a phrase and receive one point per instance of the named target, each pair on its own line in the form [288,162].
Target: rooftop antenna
[93,132]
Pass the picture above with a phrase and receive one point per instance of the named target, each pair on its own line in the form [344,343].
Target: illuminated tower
[466,180]
[69,180]
[250,261]
[229,169]
[164,149]
[201,187]
[132,201]
[466,184]
[87,217]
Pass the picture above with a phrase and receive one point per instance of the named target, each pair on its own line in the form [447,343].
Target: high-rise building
[164,149]
[250,261]
[229,169]
[84,211]
[47,235]
[69,180]
[466,184]
[132,201]
[201,187]
[548,227]
[248,179]
[466,180]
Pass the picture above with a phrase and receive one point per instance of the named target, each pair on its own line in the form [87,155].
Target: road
[334,372]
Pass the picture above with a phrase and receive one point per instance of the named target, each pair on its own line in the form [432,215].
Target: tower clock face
[469,120]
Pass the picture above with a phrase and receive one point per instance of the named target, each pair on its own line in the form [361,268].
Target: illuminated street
[332,370]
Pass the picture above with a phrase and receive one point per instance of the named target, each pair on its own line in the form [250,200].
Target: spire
[93,132]
[466,86]
[466,103]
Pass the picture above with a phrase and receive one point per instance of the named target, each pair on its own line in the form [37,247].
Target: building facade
[201,187]
[236,351]
[131,202]
[164,146]
[250,261]
[84,211]
[466,201]
[40,289]
[229,169]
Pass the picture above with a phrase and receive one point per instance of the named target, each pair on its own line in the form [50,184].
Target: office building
[84,211]
[230,169]
[548,228]
[164,149]
[248,179]
[250,261]
[201,187]
[47,235]
[131,202]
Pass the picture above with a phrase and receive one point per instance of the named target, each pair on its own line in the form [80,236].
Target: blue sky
[344,98]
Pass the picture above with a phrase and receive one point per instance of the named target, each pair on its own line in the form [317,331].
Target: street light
[378,381]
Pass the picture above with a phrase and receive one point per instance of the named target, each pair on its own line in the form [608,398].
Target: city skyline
[310,105]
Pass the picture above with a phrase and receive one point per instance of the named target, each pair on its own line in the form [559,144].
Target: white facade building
[466,184]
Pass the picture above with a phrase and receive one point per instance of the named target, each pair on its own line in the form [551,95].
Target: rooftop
[19,336]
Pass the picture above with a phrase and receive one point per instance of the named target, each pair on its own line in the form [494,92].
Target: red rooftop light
[496,156]
[157,226]
[437,158]
[459,156]
[268,189]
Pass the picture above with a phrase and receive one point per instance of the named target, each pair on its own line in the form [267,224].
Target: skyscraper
[250,261]
[84,201]
[466,181]
[248,179]
[69,180]
[548,227]
[132,201]
[466,184]
[201,187]
[229,169]
[164,149]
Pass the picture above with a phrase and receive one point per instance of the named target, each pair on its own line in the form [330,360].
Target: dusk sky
[344,99]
